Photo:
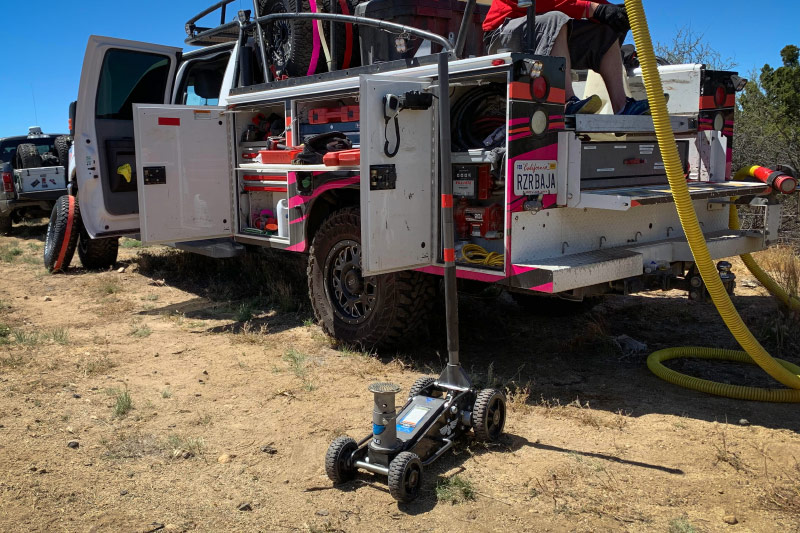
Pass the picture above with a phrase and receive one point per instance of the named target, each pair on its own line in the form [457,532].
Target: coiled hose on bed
[754,353]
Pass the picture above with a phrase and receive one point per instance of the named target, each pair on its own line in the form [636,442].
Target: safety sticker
[410,421]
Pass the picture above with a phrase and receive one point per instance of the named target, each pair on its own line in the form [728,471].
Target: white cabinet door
[184,173]
[397,193]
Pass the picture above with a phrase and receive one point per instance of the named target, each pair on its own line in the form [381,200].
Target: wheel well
[326,204]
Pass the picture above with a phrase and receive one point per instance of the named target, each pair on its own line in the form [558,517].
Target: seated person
[587,34]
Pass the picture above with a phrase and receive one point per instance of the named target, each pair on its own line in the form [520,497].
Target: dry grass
[784,266]
[454,490]
[584,414]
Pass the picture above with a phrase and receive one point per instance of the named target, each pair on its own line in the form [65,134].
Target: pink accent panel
[294,201]
[547,287]
[312,67]
[549,200]
[519,136]
[299,220]
[548,152]
[518,121]
[299,247]
[556,117]
[291,177]
[516,270]
[463,274]
[559,126]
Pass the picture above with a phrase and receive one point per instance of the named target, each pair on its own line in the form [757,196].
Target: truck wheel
[28,157]
[290,43]
[62,144]
[62,234]
[5,224]
[372,311]
[97,254]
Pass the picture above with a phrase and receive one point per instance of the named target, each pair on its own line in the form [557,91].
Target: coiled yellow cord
[477,255]
[781,371]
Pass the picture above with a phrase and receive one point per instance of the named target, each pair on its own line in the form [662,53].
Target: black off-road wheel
[338,463]
[97,254]
[423,386]
[62,144]
[405,477]
[5,224]
[367,311]
[28,157]
[62,234]
[489,415]
[290,43]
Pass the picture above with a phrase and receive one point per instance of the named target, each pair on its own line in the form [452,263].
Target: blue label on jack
[377,430]
[402,428]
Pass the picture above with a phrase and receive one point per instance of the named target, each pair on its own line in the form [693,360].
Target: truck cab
[116,74]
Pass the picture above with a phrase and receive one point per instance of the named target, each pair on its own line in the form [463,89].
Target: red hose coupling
[777,179]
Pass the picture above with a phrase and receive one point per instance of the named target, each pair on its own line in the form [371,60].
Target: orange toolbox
[278,157]
[343,158]
[326,115]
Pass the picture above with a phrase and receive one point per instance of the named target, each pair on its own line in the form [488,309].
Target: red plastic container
[326,115]
[278,157]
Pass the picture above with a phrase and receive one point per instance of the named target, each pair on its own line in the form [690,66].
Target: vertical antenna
[35,114]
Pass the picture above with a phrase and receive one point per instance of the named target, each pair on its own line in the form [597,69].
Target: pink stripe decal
[312,67]
[463,274]
[295,201]
[519,136]
[299,247]
[547,287]
[556,117]
[549,200]
[516,270]
[299,220]
[291,177]
[518,121]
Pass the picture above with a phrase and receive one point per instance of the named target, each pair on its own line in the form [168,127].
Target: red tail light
[539,88]
[720,95]
[8,182]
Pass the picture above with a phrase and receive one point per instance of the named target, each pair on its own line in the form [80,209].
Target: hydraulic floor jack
[437,410]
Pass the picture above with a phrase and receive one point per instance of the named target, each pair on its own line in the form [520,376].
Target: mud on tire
[62,234]
[373,311]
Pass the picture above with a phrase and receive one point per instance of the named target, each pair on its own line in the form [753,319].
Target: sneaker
[587,106]
[635,107]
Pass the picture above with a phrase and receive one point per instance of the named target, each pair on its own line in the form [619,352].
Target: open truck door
[184,171]
[116,74]
[398,178]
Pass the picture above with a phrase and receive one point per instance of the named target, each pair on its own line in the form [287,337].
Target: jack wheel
[423,386]
[405,477]
[489,415]
[338,464]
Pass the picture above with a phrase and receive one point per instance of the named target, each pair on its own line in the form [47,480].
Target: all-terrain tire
[489,415]
[49,160]
[97,254]
[28,157]
[5,224]
[62,144]
[405,477]
[376,311]
[62,234]
[290,43]
[337,460]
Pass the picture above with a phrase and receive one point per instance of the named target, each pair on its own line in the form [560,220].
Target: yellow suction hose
[782,371]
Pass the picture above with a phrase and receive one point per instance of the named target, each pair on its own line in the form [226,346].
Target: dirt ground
[202,397]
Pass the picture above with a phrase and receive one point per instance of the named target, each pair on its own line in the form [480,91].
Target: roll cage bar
[239,29]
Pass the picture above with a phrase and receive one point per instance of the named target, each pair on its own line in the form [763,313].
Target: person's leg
[611,70]
[561,49]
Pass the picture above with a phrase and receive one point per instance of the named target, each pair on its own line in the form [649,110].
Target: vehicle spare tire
[28,157]
[372,311]
[348,51]
[62,234]
[97,254]
[62,145]
[49,160]
[290,43]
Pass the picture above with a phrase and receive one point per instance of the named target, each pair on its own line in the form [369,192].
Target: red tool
[326,115]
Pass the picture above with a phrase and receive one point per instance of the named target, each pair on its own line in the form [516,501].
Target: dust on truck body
[544,203]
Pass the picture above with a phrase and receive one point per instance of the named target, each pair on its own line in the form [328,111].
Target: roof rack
[224,33]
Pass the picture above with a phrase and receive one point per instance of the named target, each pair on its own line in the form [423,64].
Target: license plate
[535,177]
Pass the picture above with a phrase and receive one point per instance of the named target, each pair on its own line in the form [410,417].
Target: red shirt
[507,9]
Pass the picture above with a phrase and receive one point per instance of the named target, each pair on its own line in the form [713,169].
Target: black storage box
[442,17]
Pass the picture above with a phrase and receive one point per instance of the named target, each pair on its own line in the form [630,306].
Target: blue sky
[43,48]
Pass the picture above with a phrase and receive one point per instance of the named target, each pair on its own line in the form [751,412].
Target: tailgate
[40,181]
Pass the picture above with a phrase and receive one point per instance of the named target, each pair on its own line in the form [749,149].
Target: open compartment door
[397,192]
[184,170]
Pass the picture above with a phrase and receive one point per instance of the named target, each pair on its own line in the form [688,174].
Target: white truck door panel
[397,193]
[183,170]
[116,73]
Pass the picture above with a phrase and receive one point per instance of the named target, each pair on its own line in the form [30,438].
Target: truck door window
[130,77]
[203,81]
